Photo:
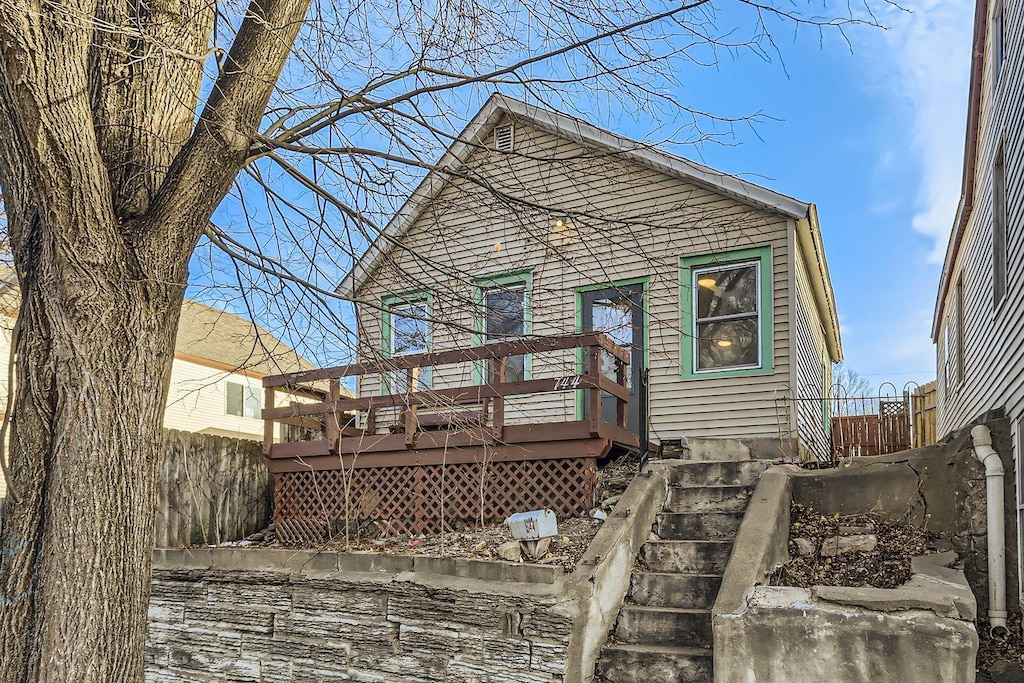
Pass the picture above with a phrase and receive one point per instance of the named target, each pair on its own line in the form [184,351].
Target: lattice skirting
[310,505]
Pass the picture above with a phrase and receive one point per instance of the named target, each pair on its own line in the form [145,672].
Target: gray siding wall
[812,369]
[992,336]
[632,222]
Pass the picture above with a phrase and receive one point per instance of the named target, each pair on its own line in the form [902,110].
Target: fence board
[211,489]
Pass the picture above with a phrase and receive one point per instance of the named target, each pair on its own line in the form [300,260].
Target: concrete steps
[656,589]
[656,663]
[708,499]
[704,526]
[687,557]
[639,624]
[663,632]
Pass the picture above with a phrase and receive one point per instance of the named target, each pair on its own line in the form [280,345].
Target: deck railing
[426,414]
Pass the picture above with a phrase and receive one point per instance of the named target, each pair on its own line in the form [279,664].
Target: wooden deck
[455,432]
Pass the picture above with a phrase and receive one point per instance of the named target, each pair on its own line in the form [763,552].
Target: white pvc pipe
[996,548]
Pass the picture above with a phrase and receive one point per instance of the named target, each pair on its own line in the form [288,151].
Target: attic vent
[504,137]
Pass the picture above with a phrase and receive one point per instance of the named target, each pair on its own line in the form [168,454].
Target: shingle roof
[215,335]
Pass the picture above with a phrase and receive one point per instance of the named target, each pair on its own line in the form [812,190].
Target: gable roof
[497,106]
[233,342]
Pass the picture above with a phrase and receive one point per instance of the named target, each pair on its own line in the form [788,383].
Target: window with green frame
[405,330]
[503,313]
[726,314]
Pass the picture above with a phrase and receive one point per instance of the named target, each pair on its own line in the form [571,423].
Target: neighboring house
[979,312]
[219,362]
[536,224]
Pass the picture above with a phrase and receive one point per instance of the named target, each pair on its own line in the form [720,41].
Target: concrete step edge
[685,650]
[672,610]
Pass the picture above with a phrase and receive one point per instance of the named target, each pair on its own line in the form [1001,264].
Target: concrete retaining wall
[920,632]
[941,487]
[281,615]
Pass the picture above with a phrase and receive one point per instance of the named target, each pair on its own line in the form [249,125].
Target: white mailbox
[532,525]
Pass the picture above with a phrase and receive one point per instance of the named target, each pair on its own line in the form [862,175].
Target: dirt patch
[566,549]
[991,650]
[887,565]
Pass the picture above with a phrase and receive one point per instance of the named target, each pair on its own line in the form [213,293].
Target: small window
[726,317]
[504,138]
[999,229]
[409,329]
[243,400]
[726,321]
[504,318]
[409,334]
[948,355]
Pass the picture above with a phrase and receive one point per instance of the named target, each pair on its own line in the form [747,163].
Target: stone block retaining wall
[385,623]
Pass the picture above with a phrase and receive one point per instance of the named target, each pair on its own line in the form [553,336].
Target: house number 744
[572,382]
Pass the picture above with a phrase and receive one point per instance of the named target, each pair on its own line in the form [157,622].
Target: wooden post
[620,403]
[268,425]
[498,376]
[409,413]
[595,391]
[331,427]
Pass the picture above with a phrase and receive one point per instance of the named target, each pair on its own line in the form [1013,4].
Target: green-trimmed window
[726,313]
[405,330]
[504,314]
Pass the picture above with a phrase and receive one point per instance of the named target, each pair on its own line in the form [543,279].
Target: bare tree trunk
[108,181]
[94,365]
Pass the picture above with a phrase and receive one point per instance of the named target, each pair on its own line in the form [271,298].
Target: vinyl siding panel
[197,402]
[993,348]
[812,369]
[628,222]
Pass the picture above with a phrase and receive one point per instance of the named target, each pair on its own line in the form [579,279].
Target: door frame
[644,282]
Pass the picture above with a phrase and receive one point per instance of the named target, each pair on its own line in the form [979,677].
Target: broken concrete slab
[837,545]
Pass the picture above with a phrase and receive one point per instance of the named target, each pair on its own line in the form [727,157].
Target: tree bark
[108,181]
[93,368]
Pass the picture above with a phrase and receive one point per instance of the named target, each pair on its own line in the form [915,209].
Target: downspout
[996,549]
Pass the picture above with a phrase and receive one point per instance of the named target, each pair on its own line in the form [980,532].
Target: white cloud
[929,64]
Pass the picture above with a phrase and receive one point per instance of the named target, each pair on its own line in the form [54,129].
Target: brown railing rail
[328,409]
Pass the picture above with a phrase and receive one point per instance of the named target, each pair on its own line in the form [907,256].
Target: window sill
[724,373]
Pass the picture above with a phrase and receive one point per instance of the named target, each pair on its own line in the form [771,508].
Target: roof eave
[813,250]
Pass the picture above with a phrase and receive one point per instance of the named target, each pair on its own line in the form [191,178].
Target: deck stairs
[663,630]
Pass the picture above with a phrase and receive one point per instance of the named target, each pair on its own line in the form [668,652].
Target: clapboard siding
[993,348]
[630,222]
[812,367]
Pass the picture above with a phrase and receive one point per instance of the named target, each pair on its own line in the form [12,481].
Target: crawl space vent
[504,138]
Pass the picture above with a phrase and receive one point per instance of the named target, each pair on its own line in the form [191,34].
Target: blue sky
[872,131]
[867,123]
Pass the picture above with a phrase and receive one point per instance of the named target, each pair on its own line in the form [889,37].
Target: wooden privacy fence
[925,413]
[887,423]
[211,489]
[449,458]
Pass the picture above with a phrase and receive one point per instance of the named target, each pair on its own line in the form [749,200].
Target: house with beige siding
[978,325]
[219,362]
[535,224]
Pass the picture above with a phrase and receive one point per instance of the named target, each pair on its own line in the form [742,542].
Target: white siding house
[219,362]
[978,325]
[545,225]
